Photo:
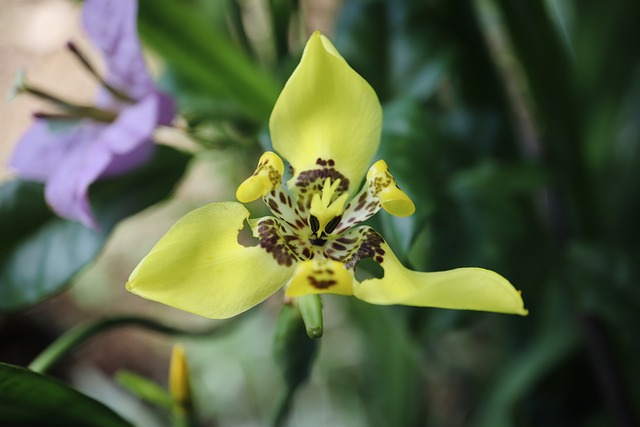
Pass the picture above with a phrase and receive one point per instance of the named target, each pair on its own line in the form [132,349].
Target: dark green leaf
[294,353]
[206,56]
[30,399]
[492,180]
[391,362]
[40,252]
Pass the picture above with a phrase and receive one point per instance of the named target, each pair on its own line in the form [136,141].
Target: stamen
[85,62]
[267,177]
[323,208]
[73,110]
[333,224]
[383,186]
[53,116]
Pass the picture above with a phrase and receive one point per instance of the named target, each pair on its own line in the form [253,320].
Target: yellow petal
[462,288]
[320,276]
[200,267]
[327,116]
[267,177]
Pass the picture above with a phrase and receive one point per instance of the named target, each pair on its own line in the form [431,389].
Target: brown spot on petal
[321,284]
[275,244]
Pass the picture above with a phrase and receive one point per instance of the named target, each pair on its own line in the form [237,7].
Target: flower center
[325,211]
[313,218]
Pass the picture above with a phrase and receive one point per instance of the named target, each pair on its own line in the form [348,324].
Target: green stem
[85,62]
[78,335]
[183,417]
[77,111]
[282,411]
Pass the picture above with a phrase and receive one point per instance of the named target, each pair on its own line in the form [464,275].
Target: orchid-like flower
[72,150]
[326,123]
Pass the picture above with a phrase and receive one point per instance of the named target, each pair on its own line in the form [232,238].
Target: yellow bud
[179,383]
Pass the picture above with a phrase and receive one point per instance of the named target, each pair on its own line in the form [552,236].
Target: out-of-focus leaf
[560,109]
[390,45]
[282,12]
[294,353]
[206,56]
[362,37]
[398,232]
[191,100]
[392,362]
[491,180]
[30,399]
[40,252]
[409,147]
[557,337]
[143,388]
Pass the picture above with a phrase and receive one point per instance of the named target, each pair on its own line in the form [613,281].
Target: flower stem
[78,335]
[76,111]
[85,62]
[282,411]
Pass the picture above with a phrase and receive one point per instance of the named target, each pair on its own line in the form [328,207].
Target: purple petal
[41,151]
[112,26]
[66,191]
[133,126]
[120,147]
[166,109]
[129,137]
[122,163]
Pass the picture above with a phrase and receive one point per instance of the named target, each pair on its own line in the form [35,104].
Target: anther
[266,178]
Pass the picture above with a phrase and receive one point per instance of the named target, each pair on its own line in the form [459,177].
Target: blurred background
[513,125]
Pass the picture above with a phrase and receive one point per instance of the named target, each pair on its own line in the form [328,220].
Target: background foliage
[513,125]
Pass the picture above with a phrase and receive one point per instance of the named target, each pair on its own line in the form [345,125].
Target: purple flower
[70,155]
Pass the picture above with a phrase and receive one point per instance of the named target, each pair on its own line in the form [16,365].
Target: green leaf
[294,353]
[30,399]
[40,252]
[392,365]
[144,388]
[206,56]
[489,179]
[555,340]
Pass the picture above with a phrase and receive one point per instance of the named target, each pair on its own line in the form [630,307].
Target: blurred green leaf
[145,389]
[489,179]
[398,232]
[206,56]
[282,12]
[554,341]
[560,109]
[30,399]
[294,353]
[391,360]
[41,252]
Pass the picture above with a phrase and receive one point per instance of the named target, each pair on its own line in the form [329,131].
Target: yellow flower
[327,124]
